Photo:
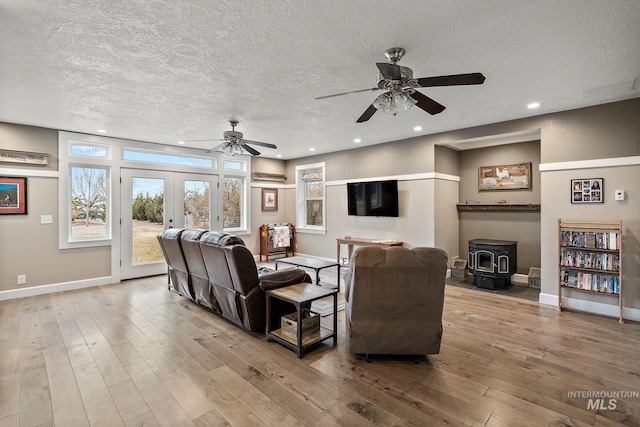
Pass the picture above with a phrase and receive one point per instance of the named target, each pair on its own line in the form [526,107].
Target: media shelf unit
[590,259]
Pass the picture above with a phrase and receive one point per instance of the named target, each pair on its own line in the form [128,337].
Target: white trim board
[56,287]
[591,307]
[29,173]
[408,177]
[590,164]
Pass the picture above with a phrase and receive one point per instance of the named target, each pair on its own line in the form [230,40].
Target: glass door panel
[197,204]
[147,216]
[151,202]
[147,208]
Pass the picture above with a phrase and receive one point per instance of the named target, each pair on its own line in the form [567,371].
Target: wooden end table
[298,295]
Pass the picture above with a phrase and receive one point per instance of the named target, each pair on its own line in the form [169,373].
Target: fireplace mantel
[499,207]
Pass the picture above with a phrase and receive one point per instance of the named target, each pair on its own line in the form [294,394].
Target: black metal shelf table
[316,264]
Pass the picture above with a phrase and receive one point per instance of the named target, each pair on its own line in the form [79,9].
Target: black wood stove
[492,262]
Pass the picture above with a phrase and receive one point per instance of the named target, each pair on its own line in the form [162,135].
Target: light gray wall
[557,204]
[523,227]
[599,132]
[32,139]
[258,217]
[28,247]
[417,197]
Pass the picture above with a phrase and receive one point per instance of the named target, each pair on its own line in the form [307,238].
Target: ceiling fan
[400,86]
[234,143]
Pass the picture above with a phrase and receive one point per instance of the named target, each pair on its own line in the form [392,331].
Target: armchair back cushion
[395,299]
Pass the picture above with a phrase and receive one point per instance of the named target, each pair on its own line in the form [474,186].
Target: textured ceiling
[169,70]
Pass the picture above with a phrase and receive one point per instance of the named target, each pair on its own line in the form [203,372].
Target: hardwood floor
[135,354]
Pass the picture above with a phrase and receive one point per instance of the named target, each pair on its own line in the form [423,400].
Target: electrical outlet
[22,279]
[619,195]
[46,219]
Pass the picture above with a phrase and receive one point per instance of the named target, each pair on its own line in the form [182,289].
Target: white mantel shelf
[499,207]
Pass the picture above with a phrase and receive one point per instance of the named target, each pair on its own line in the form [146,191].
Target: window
[147,156]
[87,150]
[196,204]
[311,197]
[235,165]
[233,203]
[89,202]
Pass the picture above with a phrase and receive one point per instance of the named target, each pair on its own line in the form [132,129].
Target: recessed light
[357,140]
[533,105]
[312,149]
[417,128]
[101,131]
[181,142]
[278,155]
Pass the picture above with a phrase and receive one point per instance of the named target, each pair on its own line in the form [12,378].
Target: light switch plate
[46,219]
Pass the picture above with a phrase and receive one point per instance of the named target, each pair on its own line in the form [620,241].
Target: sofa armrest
[282,278]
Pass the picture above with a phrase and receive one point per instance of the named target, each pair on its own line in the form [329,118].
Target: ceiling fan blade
[452,80]
[262,144]
[249,149]
[389,71]
[427,104]
[367,114]
[346,93]
[203,140]
[217,147]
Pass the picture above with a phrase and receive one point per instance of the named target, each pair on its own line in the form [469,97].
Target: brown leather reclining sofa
[216,270]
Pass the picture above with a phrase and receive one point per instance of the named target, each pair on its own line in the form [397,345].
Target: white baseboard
[591,307]
[56,287]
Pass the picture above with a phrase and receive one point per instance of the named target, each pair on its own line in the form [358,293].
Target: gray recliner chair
[394,301]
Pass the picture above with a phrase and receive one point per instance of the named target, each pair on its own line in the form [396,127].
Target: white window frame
[301,198]
[68,161]
[245,201]
[114,162]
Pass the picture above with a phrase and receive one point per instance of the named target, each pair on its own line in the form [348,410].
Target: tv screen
[375,198]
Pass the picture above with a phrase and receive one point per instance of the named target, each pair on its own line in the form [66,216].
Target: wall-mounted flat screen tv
[374,198]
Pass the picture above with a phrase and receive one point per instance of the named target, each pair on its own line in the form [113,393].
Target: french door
[151,202]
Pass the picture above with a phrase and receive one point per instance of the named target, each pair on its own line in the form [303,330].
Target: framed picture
[13,195]
[269,199]
[589,190]
[504,177]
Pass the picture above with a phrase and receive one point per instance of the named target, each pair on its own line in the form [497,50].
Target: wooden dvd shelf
[591,259]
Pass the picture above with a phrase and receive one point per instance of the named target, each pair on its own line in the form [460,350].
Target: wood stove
[492,262]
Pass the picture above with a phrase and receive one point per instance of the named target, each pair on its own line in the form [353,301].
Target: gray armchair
[394,301]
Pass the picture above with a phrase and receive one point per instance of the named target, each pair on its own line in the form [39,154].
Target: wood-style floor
[136,354]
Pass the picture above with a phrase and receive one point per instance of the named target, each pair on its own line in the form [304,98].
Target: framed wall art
[13,195]
[269,199]
[589,190]
[504,177]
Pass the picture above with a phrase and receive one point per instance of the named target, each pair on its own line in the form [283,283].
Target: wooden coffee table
[298,295]
[316,264]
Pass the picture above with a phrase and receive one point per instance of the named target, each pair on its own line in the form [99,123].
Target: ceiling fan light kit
[234,143]
[400,86]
